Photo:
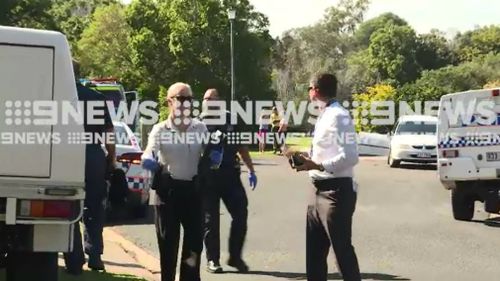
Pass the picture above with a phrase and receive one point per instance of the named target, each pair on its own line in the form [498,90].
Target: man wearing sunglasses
[223,182]
[333,195]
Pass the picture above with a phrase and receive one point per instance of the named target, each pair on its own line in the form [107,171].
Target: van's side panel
[26,76]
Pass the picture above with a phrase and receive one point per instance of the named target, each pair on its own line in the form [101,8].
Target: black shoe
[214,267]
[95,263]
[240,265]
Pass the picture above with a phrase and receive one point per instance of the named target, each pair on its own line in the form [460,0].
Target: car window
[416,128]
[121,136]
[113,95]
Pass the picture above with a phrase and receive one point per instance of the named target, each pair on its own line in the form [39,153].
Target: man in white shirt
[333,198]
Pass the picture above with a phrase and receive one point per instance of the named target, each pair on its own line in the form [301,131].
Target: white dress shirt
[179,158]
[334,144]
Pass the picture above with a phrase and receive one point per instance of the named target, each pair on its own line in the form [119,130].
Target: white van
[469,150]
[41,178]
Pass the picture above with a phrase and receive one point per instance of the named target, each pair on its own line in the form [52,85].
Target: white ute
[469,150]
[41,181]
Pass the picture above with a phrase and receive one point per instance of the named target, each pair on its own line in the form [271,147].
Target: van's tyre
[42,266]
[462,205]
[392,162]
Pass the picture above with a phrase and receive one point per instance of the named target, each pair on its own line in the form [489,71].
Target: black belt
[182,183]
[332,183]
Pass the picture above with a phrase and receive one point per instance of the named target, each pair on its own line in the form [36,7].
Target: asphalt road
[403,228]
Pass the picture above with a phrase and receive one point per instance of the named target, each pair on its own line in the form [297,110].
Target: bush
[379,92]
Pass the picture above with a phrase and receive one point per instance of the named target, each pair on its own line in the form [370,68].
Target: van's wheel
[392,162]
[462,205]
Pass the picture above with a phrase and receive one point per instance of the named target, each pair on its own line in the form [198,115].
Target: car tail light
[46,209]
[130,158]
[495,93]
[450,153]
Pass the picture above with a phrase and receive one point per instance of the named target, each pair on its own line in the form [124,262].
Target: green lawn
[89,276]
[296,143]
[299,143]
[98,276]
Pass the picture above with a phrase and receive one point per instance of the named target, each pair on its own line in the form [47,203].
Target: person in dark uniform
[177,200]
[97,164]
[224,182]
[333,196]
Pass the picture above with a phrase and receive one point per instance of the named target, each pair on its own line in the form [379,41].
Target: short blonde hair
[179,88]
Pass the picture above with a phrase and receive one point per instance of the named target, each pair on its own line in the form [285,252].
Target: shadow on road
[492,222]
[333,276]
[123,217]
[427,167]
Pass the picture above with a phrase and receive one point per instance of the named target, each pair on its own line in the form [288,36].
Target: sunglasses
[183,98]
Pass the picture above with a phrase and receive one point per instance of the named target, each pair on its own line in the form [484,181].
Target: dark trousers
[180,206]
[276,142]
[329,222]
[225,185]
[93,213]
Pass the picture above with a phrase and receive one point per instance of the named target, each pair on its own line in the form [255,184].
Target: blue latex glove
[252,178]
[150,165]
[216,157]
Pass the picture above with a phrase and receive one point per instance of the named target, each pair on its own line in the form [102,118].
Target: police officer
[224,183]
[178,199]
[97,164]
[333,196]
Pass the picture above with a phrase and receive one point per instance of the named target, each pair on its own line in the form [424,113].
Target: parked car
[469,153]
[413,140]
[128,153]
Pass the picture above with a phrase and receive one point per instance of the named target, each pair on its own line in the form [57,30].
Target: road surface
[403,228]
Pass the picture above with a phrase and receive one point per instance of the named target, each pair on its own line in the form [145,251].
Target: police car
[469,150]
[128,153]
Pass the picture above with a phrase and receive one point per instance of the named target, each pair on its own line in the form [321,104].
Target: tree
[322,47]
[199,40]
[478,42]
[151,56]
[434,51]
[26,13]
[435,83]
[360,73]
[73,16]
[393,53]
[104,48]
[492,84]
[181,40]
[366,29]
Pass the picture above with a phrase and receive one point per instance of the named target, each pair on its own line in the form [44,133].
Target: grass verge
[88,276]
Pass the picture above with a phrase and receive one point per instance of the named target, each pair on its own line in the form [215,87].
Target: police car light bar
[103,80]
